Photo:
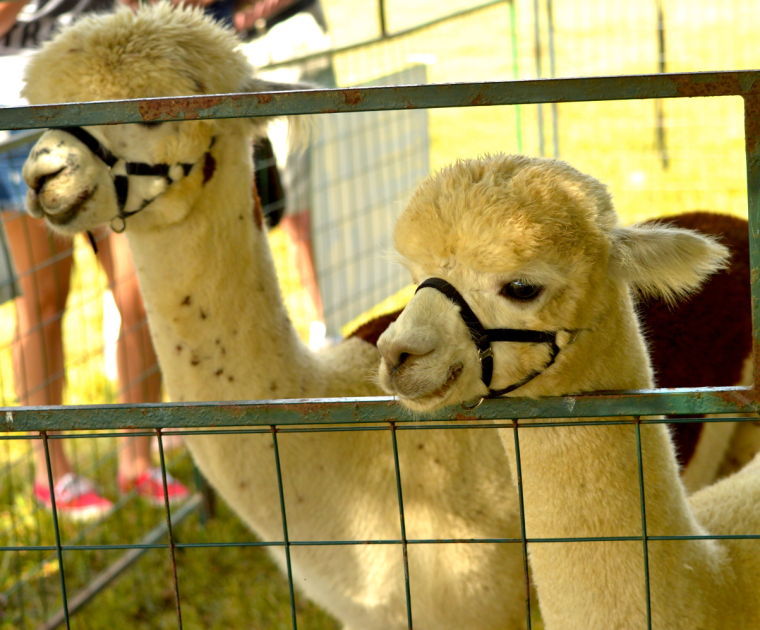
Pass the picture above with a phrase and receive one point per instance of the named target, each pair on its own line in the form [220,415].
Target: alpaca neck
[219,326]
[584,482]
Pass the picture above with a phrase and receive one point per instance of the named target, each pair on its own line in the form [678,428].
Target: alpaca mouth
[453,374]
[73,210]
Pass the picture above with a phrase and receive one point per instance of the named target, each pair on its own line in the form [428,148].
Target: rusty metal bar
[572,90]
[321,411]
[752,152]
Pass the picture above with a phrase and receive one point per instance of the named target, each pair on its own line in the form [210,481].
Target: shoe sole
[79,515]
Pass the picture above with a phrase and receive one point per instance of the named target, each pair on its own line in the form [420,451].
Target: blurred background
[333,246]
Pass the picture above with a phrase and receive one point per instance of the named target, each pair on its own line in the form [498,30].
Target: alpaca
[706,451]
[714,449]
[222,333]
[533,244]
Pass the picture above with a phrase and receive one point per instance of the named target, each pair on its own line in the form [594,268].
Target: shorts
[12,195]
[12,186]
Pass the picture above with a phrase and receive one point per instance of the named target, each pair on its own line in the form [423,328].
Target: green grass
[240,588]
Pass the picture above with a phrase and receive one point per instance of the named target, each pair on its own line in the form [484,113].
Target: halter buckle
[118,224]
[485,353]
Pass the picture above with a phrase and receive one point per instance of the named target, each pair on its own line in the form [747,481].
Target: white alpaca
[534,248]
[222,333]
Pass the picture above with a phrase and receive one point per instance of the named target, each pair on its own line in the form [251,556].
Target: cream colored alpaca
[222,333]
[532,244]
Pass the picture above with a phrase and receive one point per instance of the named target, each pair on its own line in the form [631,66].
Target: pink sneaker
[75,498]
[150,486]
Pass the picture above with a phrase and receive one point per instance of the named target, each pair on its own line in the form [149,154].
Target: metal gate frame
[351,414]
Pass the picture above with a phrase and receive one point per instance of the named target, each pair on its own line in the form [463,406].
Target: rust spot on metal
[698,86]
[463,417]
[310,409]
[264,99]
[480,99]
[754,275]
[352,97]
[752,123]
[747,400]
[181,108]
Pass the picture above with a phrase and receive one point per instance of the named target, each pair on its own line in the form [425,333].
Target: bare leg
[298,228]
[139,376]
[43,262]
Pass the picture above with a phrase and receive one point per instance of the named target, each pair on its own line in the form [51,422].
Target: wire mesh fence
[53,564]
[178,554]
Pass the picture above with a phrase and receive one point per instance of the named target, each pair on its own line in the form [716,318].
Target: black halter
[483,337]
[121,182]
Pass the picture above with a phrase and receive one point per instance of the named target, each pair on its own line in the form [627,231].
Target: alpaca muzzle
[483,337]
[121,170]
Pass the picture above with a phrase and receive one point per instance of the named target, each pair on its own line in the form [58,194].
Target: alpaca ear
[300,124]
[665,261]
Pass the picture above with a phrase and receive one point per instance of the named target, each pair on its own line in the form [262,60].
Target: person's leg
[139,374]
[298,228]
[43,262]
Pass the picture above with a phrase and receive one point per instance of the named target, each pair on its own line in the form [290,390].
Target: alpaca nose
[44,166]
[399,350]
[38,180]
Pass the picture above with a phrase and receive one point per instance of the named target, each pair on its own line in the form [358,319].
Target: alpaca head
[531,250]
[78,181]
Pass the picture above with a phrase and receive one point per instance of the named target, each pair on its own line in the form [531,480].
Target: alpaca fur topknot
[154,52]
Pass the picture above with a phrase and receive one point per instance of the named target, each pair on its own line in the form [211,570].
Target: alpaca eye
[521,290]
[151,125]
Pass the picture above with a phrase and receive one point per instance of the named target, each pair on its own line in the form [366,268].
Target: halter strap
[121,182]
[483,337]
[92,143]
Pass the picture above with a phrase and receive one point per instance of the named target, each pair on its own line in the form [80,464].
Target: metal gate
[277,418]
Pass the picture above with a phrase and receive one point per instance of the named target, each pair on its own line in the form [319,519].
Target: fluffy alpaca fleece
[222,333]
[485,225]
[678,351]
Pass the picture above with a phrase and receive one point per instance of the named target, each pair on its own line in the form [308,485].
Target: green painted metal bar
[538,69]
[523,531]
[169,529]
[285,534]
[402,528]
[725,400]
[683,85]
[432,425]
[752,152]
[382,18]
[552,73]
[378,541]
[644,535]
[516,71]
[57,531]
